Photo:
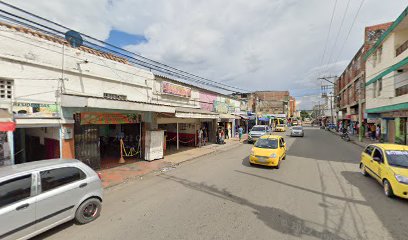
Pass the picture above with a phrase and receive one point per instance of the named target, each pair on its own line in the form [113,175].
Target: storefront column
[177,135]
[10,139]
[195,134]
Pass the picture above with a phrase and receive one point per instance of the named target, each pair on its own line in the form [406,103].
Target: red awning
[7,126]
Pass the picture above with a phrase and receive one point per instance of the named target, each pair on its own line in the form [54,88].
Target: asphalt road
[317,193]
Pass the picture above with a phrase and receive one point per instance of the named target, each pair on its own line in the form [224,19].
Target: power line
[351,27]
[338,33]
[143,61]
[328,34]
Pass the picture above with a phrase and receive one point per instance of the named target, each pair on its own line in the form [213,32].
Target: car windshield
[258,129]
[267,143]
[297,128]
[397,158]
[281,125]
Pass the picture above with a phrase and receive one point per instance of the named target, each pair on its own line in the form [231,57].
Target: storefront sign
[177,90]
[35,110]
[207,101]
[108,118]
[394,114]
[222,107]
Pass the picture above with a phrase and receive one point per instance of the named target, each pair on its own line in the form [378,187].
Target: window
[379,87]
[6,89]
[377,153]
[54,178]
[15,190]
[369,150]
[266,143]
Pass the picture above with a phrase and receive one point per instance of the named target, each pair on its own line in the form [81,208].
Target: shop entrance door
[87,145]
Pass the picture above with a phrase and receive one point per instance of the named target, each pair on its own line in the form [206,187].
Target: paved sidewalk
[126,172]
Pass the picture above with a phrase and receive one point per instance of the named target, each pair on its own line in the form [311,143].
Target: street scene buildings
[285,143]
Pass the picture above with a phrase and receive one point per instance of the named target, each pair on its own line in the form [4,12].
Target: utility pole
[360,117]
[332,95]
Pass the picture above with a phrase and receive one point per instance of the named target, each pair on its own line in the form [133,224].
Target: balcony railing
[401,48]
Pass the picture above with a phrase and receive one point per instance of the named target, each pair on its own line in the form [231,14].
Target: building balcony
[401,48]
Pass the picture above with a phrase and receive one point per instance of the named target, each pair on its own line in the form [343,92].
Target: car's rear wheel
[88,211]
[363,170]
[387,189]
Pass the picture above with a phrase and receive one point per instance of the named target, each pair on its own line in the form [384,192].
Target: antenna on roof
[74,39]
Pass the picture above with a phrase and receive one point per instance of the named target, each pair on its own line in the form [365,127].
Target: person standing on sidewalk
[205,135]
[240,132]
[378,132]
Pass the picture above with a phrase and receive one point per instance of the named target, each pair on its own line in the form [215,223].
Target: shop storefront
[101,138]
[394,127]
[181,129]
[39,133]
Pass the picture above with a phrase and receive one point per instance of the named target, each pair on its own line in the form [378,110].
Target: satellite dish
[74,39]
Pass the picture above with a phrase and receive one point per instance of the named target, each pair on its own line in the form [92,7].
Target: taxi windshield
[267,143]
[280,125]
[397,158]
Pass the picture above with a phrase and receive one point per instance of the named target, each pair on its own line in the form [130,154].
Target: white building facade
[387,81]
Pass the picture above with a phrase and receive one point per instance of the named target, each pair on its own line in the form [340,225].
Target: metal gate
[87,143]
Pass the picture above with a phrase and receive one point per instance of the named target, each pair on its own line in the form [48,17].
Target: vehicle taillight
[100,175]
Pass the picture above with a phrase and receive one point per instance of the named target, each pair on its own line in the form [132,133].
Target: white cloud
[256,45]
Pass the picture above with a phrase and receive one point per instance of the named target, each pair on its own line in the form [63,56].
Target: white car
[297,131]
[38,196]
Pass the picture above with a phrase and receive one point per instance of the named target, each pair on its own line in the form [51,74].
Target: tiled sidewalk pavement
[120,174]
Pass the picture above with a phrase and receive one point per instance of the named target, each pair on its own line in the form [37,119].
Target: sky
[253,45]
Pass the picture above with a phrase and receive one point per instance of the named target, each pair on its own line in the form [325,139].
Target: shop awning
[34,123]
[98,102]
[182,112]
[228,116]
[7,126]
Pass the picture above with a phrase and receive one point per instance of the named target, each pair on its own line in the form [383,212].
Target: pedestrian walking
[240,132]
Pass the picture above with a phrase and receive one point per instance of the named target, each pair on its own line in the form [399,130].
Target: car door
[17,206]
[61,190]
[377,165]
[366,157]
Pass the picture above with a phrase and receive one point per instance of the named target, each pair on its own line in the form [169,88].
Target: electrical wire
[149,62]
[328,33]
[338,32]
[351,27]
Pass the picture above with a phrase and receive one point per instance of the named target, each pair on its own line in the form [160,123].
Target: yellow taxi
[269,150]
[388,164]
[280,128]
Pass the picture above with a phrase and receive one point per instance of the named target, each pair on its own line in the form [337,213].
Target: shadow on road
[53,231]
[245,162]
[306,189]
[391,212]
[276,219]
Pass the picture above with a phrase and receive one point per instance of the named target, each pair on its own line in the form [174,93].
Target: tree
[304,114]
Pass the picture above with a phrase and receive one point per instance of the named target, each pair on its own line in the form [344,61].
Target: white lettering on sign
[395,152]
